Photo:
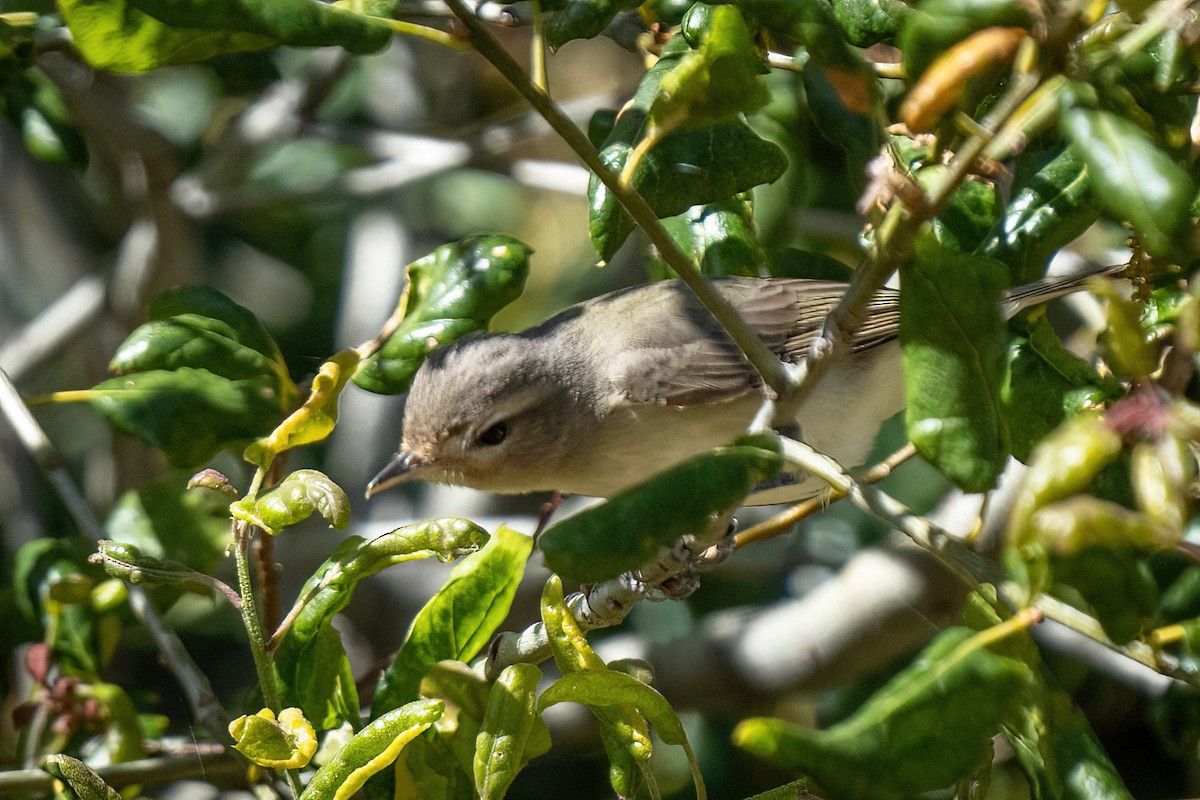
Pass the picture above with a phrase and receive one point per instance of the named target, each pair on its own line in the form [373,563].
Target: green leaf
[611,688]
[969,215]
[285,743]
[719,77]
[202,375]
[140,35]
[85,783]
[839,112]
[719,237]
[1049,209]
[1062,464]
[1112,583]
[868,22]
[189,414]
[293,500]
[1134,180]
[125,561]
[687,168]
[512,710]
[953,341]
[582,19]
[1044,384]
[372,749]
[925,729]
[1059,752]
[314,420]
[310,663]
[460,619]
[627,530]
[453,291]
[936,25]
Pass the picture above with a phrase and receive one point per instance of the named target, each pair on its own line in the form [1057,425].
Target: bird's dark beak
[398,470]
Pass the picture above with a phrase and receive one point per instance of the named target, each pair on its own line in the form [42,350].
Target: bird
[612,391]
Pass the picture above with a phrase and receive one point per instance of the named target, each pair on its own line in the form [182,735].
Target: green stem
[766,363]
[242,535]
[262,664]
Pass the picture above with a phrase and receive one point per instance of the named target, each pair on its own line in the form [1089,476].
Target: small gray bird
[614,390]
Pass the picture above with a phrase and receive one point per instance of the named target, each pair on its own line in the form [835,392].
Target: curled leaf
[314,420]
[372,749]
[294,500]
[284,743]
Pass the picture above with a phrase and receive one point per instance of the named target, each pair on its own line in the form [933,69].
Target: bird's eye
[495,434]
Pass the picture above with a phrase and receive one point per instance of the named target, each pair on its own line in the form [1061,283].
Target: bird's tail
[1031,294]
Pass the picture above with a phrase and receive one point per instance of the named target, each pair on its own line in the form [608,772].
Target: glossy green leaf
[314,420]
[719,237]
[627,530]
[687,168]
[1059,752]
[868,22]
[453,291]
[508,721]
[582,19]
[426,769]
[1047,210]
[195,326]
[140,35]
[953,340]
[1134,179]
[81,779]
[293,500]
[925,729]
[813,26]
[288,742]
[719,77]
[202,375]
[936,25]
[460,619]
[372,749]
[308,653]
[1044,384]
[969,215]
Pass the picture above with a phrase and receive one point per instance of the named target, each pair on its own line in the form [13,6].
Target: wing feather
[684,358]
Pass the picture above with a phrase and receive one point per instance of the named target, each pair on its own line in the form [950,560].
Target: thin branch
[786,520]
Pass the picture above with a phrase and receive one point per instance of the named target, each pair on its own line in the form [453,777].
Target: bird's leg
[547,512]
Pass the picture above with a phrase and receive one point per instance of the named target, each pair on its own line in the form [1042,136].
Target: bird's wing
[691,360]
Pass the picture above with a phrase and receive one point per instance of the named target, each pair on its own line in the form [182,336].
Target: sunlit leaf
[512,710]
[314,420]
[139,35]
[284,743]
[460,619]
[293,500]
[1134,179]
[372,749]
[310,663]
[453,291]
